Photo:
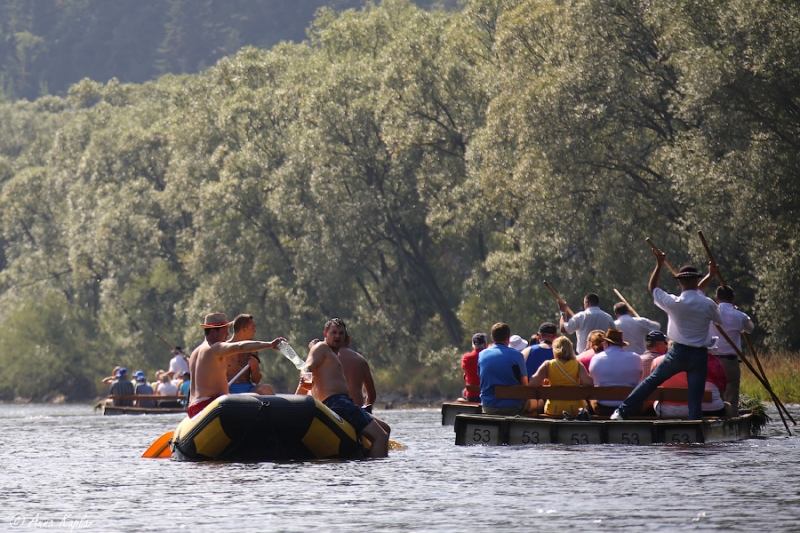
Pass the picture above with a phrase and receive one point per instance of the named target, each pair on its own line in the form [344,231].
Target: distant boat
[107,407]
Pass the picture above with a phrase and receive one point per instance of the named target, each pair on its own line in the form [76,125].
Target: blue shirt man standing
[501,365]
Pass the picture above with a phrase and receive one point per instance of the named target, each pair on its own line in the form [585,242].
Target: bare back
[329,377]
[356,371]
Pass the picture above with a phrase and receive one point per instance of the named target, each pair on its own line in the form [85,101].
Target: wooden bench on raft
[145,397]
[521,392]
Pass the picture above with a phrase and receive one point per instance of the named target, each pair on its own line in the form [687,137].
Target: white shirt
[167,389]
[615,366]
[733,323]
[633,331]
[585,322]
[178,365]
[690,316]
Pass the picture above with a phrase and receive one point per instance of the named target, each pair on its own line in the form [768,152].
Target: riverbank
[783,373]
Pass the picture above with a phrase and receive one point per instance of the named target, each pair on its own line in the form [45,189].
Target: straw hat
[215,320]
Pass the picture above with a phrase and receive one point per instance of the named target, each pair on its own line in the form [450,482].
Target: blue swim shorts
[343,406]
[241,388]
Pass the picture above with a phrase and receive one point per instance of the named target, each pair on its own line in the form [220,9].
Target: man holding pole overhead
[690,315]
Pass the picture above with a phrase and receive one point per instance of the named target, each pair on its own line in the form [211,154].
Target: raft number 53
[482,434]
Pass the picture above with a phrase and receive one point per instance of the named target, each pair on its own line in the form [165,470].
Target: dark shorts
[343,406]
[241,388]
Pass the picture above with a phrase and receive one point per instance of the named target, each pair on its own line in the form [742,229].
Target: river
[64,468]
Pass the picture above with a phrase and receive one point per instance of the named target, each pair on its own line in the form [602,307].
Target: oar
[764,381]
[160,448]
[622,298]
[558,297]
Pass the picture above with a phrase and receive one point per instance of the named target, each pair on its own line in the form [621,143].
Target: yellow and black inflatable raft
[246,427]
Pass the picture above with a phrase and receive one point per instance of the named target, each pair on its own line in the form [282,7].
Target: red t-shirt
[469,364]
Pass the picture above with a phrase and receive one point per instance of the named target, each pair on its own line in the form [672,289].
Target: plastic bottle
[292,356]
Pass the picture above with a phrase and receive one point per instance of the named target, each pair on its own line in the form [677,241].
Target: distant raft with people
[253,428]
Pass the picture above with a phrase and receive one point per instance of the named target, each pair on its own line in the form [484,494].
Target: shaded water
[63,467]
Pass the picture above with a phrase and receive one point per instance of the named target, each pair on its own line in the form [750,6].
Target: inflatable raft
[246,427]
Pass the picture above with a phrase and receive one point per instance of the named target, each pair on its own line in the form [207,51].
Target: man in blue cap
[122,387]
[143,388]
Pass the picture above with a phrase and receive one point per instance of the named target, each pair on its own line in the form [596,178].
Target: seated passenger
[143,388]
[166,388]
[538,353]
[595,346]
[183,390]
[517,342]
[122,387]
[501,365]
[244,329]
[469,364]
[564,371]
[656,346]
[614,366]
[113,377]
[715,383]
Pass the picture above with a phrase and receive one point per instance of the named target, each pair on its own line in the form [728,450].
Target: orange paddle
[160,448]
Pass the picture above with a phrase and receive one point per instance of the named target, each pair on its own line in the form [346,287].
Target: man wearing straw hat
[690,316]
[208,365]
[614,366]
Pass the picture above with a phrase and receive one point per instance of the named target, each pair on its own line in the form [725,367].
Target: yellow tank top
[557,378]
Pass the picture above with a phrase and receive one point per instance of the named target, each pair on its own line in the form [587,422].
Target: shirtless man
[330,386]
[356,372]
[244,329]
[208,364]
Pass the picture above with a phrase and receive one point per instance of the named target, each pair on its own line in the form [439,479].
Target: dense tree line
[417,173]
[47,45]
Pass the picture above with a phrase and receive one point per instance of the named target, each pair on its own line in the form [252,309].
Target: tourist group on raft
[629,351]
[223,364]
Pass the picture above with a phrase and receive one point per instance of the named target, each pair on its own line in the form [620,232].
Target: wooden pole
[558,297]
[764,381]
[666,262]
[622,298]
[753,370]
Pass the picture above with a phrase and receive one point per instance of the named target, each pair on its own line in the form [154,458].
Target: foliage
[47,46]
[418,173]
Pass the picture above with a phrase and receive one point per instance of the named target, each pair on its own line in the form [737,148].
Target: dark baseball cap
[655,336]
[479,339]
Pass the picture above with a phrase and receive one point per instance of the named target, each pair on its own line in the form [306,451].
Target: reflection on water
[62,466]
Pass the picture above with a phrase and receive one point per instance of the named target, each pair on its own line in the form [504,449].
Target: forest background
[416,170]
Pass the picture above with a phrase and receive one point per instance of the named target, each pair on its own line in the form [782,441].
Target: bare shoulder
[320,350]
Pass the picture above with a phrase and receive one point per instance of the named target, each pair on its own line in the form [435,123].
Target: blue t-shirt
[499,365]
[536,357]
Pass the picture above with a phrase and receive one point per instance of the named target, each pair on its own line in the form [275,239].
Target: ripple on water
[65,461]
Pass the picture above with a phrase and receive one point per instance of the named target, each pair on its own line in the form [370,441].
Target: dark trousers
[679,358]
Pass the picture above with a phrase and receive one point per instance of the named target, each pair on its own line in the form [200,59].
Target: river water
[64,468]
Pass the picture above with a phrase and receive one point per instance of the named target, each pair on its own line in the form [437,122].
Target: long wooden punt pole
[622,298]
[558,297]
[753,370]
[765,381]
[666,262]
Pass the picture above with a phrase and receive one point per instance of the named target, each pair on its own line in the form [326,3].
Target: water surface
[63,467]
